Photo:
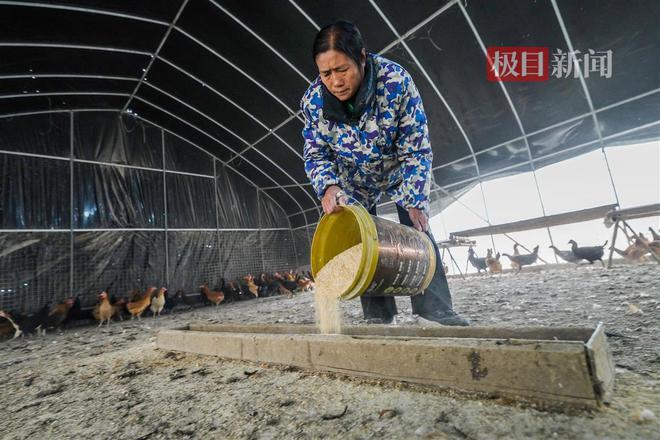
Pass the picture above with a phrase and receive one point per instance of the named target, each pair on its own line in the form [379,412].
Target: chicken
[103,311]
[305,284]
[519,261]
[650,245]
[59,314]
[567,256]
[237,291]
[275,285]
[252,286]
[78,313]
[158,302]
[589,253]
[494,264]
[28,324]
[171,301]
[139,305]
[230,294]
[288,285]
[290,276]
[8,326]
[635,252]
[516,252]
[212,295]
[476,262]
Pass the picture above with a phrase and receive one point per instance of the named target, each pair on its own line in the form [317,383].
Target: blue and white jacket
[384,148]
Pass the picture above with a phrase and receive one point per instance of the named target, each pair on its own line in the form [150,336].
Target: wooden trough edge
[529,363]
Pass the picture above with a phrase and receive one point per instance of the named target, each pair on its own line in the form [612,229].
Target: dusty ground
[114,384]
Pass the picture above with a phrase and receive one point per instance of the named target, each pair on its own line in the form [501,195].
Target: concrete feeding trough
[550,365]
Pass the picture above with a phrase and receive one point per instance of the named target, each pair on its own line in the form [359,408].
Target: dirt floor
[112,383]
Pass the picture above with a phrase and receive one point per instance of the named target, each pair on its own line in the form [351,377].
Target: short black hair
[342,36]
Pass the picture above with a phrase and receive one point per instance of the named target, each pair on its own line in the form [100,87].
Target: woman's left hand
[419,219]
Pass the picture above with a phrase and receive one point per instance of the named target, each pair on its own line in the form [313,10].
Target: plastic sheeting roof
[228,76]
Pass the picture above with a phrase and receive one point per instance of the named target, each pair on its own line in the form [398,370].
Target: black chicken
[78,313]
[478,263]
[35,322]
[589,253]
[228,291]
[567,256]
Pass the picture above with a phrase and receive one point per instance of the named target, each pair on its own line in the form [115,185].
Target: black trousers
[436,298]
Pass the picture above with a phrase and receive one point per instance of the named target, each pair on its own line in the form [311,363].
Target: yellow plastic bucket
[396,259]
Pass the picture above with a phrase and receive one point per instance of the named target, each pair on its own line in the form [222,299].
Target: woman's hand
[419,219]
[330,202]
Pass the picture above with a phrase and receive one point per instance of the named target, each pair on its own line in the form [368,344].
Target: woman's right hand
[330,202]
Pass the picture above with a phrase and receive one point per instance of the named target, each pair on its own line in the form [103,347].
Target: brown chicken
[59,313]
[252,286]
[8,327]
[304,284]
[138,306]
[494,265]
[290,276]
[158,303]
[213,296]
[635,252]
[103,310]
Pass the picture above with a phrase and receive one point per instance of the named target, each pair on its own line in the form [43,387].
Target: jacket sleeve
[317,154]
[414,149]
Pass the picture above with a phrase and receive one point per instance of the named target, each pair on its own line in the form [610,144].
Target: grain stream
[331,281]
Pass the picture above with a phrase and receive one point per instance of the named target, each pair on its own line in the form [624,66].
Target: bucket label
[403,260]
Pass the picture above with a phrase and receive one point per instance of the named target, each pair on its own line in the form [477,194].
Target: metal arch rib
[418,26]
[569,43]
[164,111]
[437,91]
[36,75]
[116,110]
[155,54]
[515,114]
[148,54]
[304,14]
[258,37]
[270,131]
[181,102]
[85,10]
[75,46]
[558,124]
[68,75]
[236,135]
[32,95]
[215,158]
[172,26]
[235,67]
[217,141]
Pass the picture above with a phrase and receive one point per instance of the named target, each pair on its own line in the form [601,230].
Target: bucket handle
[342,193]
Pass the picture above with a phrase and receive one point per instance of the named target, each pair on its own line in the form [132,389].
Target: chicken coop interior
[152,180]
[160,142]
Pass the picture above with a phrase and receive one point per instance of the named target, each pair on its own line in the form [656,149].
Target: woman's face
[340,74]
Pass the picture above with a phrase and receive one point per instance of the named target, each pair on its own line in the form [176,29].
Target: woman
[365,135]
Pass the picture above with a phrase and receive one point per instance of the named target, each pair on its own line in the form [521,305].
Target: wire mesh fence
[121,238]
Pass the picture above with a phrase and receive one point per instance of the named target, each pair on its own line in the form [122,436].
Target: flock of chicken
[636,251]
[153,300]
[156,300]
